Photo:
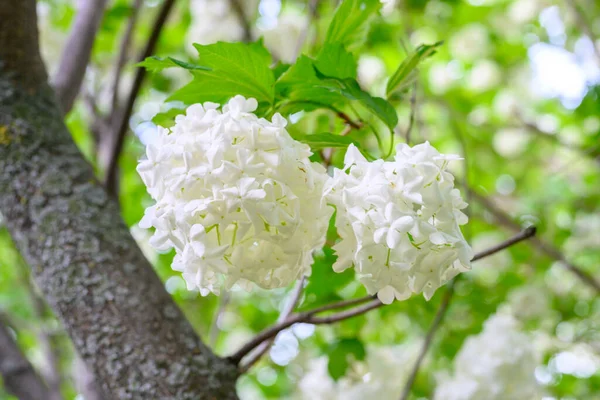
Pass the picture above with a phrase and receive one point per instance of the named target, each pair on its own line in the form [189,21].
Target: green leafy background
[459,75]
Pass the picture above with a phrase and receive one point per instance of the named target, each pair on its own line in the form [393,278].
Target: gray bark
[123,323]
[20,379]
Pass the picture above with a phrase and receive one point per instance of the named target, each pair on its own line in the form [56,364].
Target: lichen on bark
[123,323]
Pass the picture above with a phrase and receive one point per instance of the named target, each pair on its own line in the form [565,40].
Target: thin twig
[238,7]
[123,119]
[310,316]
[437,321]
[413,109]
[313,8]
[77,52]
[525,234]
[584,25]
[444,305]
[544,247]
[343,304]
[123,53]
[306,317]
[534,129]
[342,315]
[349,121]
[51,372]
[214,329]
[260,350]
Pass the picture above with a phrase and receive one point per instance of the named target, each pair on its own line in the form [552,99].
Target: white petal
[386,295]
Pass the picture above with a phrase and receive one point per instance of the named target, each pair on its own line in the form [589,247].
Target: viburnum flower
[399,221]
[236,197]
[497,364]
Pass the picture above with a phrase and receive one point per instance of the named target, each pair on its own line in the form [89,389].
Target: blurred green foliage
[536,156]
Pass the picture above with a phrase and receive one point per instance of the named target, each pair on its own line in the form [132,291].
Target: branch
[261,349]
[20,379]
[532,128]
[525,234]
[77,52]
[444,305]
[243,18]
[343,304]
[305,317]
[122,119]
[24,69]
[310,316]
[437,321]
[541,245]
[51,372]
[123,53]
[349,121]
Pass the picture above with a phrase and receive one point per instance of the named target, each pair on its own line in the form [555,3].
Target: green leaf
[342,353]
[334,60]
[325,140]
[157,64]
[350,89]
[235,68]
[279,69]
[351,21]
[324,282]
[409,64]
[167,119]
[299,89]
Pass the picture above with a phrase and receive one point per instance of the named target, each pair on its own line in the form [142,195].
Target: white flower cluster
[236,197]
[497,364]
[399,222]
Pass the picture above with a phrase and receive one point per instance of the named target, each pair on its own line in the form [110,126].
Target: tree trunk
[123,323]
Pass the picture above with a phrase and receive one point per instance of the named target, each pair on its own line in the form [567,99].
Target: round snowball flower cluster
[399,221]
[497,364]
[236,197]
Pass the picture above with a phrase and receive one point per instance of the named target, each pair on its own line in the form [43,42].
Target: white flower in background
[511,142]
[497,364]
[282,39]
[443,76]
[470,43]
[523,11]
[529,301]
[317,384]
[236,197]
[371,71]
[399,221]
[381,376]
[484,75]
[216,20]
[584,235]
[388,6]
[579,360]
